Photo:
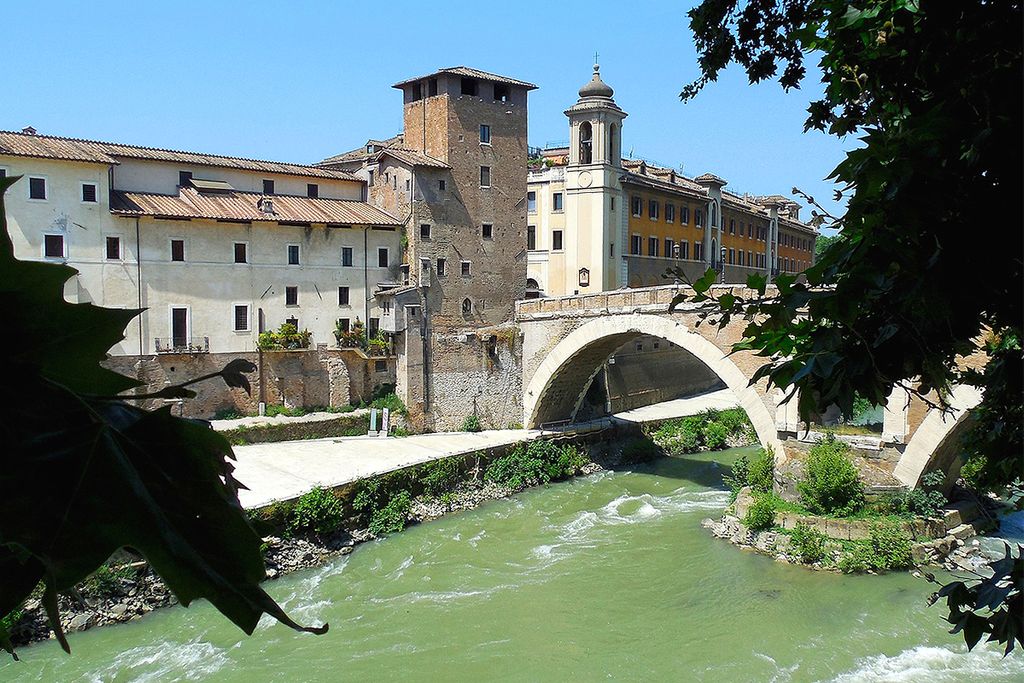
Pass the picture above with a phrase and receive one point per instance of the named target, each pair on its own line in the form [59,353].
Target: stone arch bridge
[567,340]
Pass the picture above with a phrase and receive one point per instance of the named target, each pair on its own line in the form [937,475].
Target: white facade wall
[208,283]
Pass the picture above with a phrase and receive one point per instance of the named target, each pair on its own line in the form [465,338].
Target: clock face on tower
[585,179]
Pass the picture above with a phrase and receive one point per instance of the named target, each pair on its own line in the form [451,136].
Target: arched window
[532,289]
[714,215]
[612,134]
[714,249]
[467,306]
[586,142]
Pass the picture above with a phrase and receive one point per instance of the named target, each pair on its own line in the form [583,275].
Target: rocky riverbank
[129,589]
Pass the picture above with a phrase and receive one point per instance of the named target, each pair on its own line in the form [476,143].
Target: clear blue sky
[300,81]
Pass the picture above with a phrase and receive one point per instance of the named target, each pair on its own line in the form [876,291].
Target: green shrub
[809,544]
[390,401]
[761,514]
[391,518]
[440,476]
[738,476]
[274,410]
[640,449]
[227,414]
[471,424]
[715,435]
[761,474]
[11,619]
[972,471]
[318,511]
[832,484]
[890,546]
[735,420]
[857,560]
[535,462]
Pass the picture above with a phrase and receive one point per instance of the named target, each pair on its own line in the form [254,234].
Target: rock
[119,610]
[81,622]
[272,573]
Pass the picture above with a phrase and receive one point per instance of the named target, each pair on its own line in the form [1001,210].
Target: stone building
[456,176]
[599,222]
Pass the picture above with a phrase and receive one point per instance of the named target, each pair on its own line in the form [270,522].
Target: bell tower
[596,222]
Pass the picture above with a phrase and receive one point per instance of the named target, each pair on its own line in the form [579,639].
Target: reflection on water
[604,577]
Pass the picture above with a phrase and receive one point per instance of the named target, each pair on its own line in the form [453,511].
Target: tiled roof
[73,149]
[413,158]
[245,206]
[470,73]
[360,153]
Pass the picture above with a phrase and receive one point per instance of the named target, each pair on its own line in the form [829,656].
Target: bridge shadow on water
[704,469]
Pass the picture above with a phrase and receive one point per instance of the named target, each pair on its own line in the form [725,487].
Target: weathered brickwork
[292,378]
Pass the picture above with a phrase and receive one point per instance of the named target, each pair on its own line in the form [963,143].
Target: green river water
[606,577]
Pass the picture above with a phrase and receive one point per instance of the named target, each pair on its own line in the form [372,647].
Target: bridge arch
[558,386]
[934,444]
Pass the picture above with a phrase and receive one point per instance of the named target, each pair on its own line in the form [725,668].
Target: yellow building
[599,222]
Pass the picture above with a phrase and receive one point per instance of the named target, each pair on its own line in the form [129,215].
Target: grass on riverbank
[711,430]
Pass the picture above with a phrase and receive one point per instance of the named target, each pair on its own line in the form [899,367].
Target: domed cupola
[596,87]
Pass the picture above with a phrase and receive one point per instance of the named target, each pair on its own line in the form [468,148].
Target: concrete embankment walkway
[287,469]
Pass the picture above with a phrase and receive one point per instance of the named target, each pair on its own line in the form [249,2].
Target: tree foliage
[928,267]
[84,473]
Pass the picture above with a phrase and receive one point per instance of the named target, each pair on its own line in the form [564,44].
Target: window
[670,213]
[684,249]
[417,91]
[750,230]
[487,230]
[343,296]
[113,248]
[291,296]
[652,209]
[612,203]
[425,231]
[268,187]
[468,86]
[408,184]
[485,134]
[698,217]
[89,193]
[586,142]
[241,318]
[293,254]
[380,366]
[556,240]
[37,188]
[698,251]
[344,324]
[394,182]
[53,246]
[634,245]
[383,257]
[177,250]
[485,176]
[732,226]
[184,178]
[556,201]
[312,190]
[531,237]
[241,252]
[684,215]
[652,246]
[293,321]
[431,87]
[441,185]
[732,256]
[668,248]
[346,256]
[611,250]
[467,306]
[531,202]
[442,265]
[637,206]
[370,178]
[467,268]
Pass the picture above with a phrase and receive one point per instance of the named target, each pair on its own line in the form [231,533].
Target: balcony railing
[182,344]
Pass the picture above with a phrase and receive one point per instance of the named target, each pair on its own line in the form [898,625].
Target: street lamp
[721,263]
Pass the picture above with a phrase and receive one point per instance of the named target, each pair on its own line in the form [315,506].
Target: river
[606,577]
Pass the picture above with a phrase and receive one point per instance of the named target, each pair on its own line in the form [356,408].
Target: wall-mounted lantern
[584,277]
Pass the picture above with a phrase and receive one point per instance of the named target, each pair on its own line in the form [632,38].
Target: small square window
[177,250]
[467,268]
[380,366]
[556,240]
[241,252]
[312,190]
[89,193]
[53,246]
[346,256]
[343,296]
[37,188]
[291,296]
[531,202]
[487,230]
[441,185]
[344,324]
[485,134]
[442,265]
[293,254]
[113,248]
[268,187]
[556,201]
[485,176]
[425,231]
[184,178]
[241,318]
